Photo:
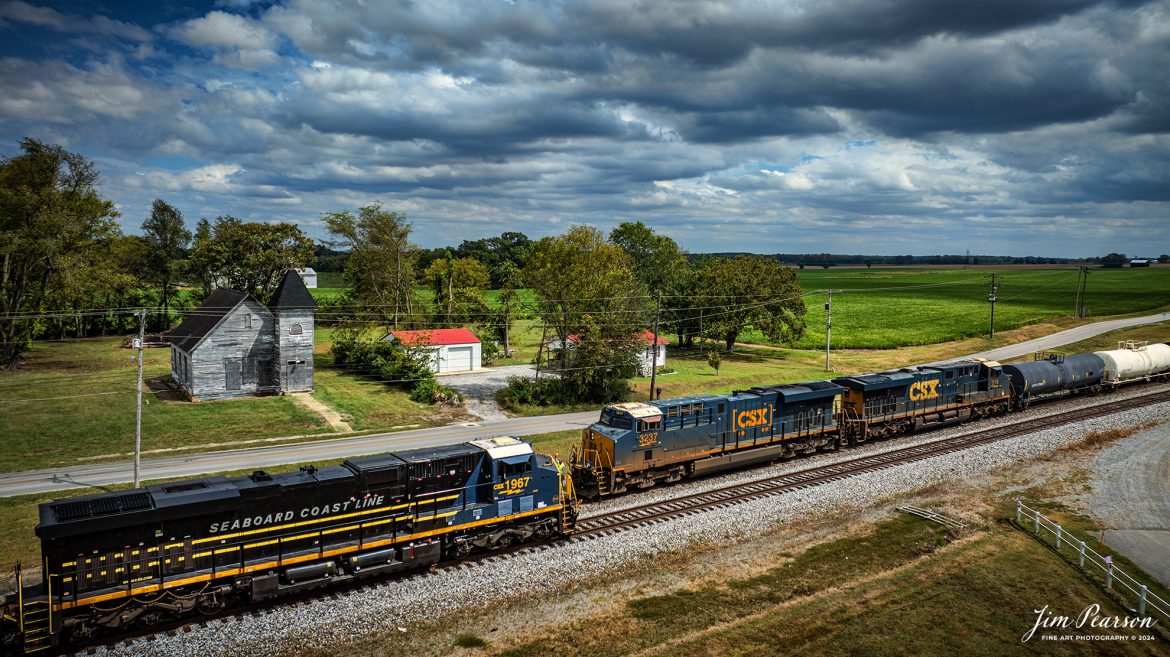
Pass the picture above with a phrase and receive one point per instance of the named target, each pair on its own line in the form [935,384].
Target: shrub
[529,392]
[391,362]
[433,392]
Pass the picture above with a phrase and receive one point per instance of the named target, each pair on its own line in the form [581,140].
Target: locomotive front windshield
[616,419]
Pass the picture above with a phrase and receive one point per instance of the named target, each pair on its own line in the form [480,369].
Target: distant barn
[1139,263]
[234,346]
[309,276]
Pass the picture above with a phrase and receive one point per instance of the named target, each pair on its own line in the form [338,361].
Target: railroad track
[607,523]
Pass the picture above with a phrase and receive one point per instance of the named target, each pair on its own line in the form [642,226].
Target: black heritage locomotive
[136,558]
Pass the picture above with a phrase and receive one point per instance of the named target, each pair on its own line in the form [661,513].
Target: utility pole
[991,300]
[1077,307]
[507,321]
[654,346]
[1084,289]
[828,327]
[138,415]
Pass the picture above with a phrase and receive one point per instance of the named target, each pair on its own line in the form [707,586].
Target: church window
[295,329]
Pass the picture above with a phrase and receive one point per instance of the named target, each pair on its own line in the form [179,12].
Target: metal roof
[292,294]
[503,447]
[436,337]
[207,316]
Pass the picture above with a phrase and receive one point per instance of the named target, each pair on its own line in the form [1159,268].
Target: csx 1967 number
[513,485]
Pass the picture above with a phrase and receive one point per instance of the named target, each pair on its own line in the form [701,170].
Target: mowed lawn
[74,401]
[885,308]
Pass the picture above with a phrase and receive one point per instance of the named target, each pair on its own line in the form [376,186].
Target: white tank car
[1134,360]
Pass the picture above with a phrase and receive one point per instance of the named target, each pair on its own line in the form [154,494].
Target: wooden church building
[234,346]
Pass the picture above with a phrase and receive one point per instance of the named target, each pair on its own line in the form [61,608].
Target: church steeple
[293,306]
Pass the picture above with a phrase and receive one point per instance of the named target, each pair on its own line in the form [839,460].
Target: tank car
[133,558]
[889,403]
[1133,361]
[640,444]
[1053,376]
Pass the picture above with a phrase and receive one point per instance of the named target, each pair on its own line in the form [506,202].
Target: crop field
[886,308]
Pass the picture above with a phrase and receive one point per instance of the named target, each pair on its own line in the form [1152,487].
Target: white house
[309,276]
[452,350]
[646,360]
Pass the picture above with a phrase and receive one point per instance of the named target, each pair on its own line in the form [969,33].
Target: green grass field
[73,402]
[885,308]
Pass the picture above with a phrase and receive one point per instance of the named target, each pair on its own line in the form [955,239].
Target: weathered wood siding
[237,358]
[294,349]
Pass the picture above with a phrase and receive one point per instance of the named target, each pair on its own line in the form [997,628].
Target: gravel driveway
[479,388]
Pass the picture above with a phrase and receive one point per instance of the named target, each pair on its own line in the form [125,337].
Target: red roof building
[436,337]
[646,359]
[452,350]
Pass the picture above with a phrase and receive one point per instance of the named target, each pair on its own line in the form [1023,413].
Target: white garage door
[458,359]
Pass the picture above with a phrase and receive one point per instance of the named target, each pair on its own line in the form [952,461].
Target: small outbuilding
[452,350]
[1140,262]
[308,276]
[646,357]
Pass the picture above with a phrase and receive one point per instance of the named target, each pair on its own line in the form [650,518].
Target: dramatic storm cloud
[859,126]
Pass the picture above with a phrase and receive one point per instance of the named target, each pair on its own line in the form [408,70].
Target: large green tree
[249,257]
[51,216]
[168,240]
[751,291]
[586,288]
[458,285]
[380,269]
[509,249]
[658,262]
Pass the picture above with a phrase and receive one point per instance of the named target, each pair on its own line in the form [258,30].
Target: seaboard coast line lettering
[251,522]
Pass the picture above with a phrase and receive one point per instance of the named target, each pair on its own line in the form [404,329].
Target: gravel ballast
[398,605]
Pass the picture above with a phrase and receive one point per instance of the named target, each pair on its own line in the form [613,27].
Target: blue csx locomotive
[135,558]
[641,444]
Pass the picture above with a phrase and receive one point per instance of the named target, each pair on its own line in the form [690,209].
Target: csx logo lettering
[753,418]
[924,390]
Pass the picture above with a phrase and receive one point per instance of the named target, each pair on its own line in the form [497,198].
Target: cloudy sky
[1035,127]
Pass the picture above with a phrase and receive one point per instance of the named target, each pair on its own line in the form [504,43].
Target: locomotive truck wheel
[212,605]
[148,619]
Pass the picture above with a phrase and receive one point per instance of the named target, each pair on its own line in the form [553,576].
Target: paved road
[103,474]
[1067,337]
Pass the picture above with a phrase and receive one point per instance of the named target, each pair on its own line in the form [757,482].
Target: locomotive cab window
[508,470]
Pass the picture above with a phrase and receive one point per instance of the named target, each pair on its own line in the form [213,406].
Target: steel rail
[689,504]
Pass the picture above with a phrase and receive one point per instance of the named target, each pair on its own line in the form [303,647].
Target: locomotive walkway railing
[1093,563]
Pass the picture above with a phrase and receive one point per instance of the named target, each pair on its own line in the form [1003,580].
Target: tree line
[68,270]
[595,292]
